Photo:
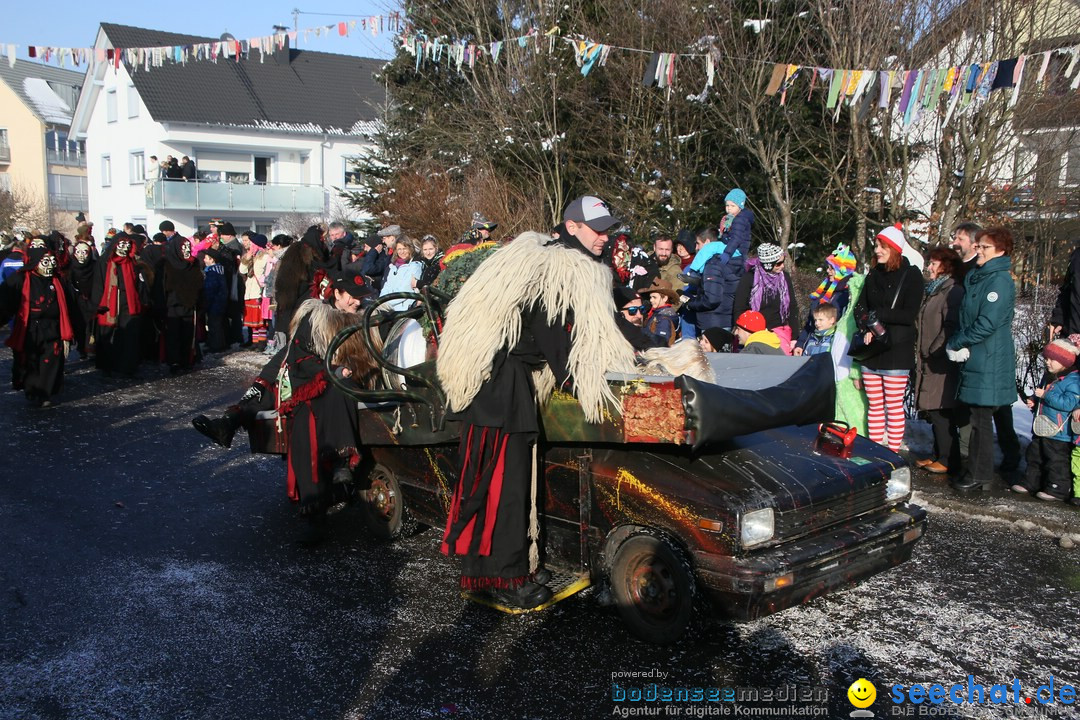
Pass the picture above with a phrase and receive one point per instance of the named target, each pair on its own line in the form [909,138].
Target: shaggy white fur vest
[485,318]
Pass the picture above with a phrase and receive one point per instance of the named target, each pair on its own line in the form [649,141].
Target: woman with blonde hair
[403,272]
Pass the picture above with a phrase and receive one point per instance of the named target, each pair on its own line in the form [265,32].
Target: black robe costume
[153,255]
[321,421]
[488,522]
[183,287]
[119,312]
[81,276]
[46,317]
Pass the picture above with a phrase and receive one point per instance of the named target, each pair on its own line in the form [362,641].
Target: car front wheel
[384,506]
[653,587]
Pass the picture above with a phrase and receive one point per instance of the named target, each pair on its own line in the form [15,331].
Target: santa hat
[1062,351]
[893,236]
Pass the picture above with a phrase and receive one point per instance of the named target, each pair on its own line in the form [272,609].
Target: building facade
[38,161]
[269,137]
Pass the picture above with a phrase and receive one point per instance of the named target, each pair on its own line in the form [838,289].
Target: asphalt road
[145,573]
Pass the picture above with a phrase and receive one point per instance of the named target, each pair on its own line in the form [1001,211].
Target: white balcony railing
[212,196]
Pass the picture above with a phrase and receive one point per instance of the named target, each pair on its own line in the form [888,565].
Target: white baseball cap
[592,211]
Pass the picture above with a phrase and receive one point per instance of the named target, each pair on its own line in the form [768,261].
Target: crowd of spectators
[166,298]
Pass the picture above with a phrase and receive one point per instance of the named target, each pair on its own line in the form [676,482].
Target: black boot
[313,532]
[528,596]
[967,483]
[542,576]
[221,431]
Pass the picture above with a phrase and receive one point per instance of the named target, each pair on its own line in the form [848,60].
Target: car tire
[385,513]
[654,587]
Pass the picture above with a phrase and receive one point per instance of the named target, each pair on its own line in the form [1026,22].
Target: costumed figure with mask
[511,339]
[120,295]
[183,288]
[321,420]
[47,321]
[81,277]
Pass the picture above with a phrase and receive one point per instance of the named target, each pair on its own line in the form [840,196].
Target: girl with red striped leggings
[889,304]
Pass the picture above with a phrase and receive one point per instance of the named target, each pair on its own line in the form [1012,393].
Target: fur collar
[485,317]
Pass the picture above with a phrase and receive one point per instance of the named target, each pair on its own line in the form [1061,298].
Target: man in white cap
[486,370]
[586,220]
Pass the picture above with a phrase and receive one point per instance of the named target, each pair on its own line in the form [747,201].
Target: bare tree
[20,208]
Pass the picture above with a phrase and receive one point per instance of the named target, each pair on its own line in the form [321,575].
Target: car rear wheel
[653,587]
[385,513]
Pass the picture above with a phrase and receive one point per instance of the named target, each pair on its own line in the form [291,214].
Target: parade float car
[731,493]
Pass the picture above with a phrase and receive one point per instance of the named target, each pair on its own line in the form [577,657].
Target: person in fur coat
[296,275]
[506,343]
[294,382]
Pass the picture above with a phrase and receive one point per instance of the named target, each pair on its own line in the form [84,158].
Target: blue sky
[70,23]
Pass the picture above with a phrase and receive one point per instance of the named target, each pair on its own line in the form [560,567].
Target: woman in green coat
[984,345]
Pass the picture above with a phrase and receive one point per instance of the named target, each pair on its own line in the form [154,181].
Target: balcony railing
[211,196]
[69,202]
[5,152]
[63,157]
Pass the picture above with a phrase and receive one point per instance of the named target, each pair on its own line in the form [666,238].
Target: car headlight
[899,485]
[757,527]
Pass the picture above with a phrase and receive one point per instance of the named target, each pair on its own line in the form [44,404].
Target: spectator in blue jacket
[735,231]
[1049,457]
[216,299]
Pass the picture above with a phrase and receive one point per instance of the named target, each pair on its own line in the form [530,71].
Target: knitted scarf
[933,285]
[118,267]
[768,284]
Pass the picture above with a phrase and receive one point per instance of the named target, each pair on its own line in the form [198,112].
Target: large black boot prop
[221,430]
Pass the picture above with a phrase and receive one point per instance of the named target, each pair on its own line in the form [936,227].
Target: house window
[110,106]
[108,224]
[1072,167]
[137,167]
[5,182]
[132,102]
[352,177]
[106,171]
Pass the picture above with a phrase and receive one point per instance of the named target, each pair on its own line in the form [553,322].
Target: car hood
[784,468]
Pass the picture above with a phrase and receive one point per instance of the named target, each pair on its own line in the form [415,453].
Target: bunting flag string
[148,57]
[914,91]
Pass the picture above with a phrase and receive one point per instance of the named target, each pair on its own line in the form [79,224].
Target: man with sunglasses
[631,318]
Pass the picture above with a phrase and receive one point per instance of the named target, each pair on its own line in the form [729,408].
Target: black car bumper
[746,588]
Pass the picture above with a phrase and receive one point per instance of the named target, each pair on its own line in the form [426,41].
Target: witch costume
[183,288]
[510,339]
[47,319]
[81,276]
[120,293]
[322,422]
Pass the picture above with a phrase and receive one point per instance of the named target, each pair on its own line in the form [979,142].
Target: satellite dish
[228,37]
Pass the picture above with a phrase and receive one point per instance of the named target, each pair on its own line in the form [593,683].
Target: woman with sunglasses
[984,345]
[766,288]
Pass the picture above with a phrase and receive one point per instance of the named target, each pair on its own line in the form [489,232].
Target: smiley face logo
[862,693]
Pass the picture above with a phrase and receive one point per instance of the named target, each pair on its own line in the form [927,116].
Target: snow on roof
[49,105]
